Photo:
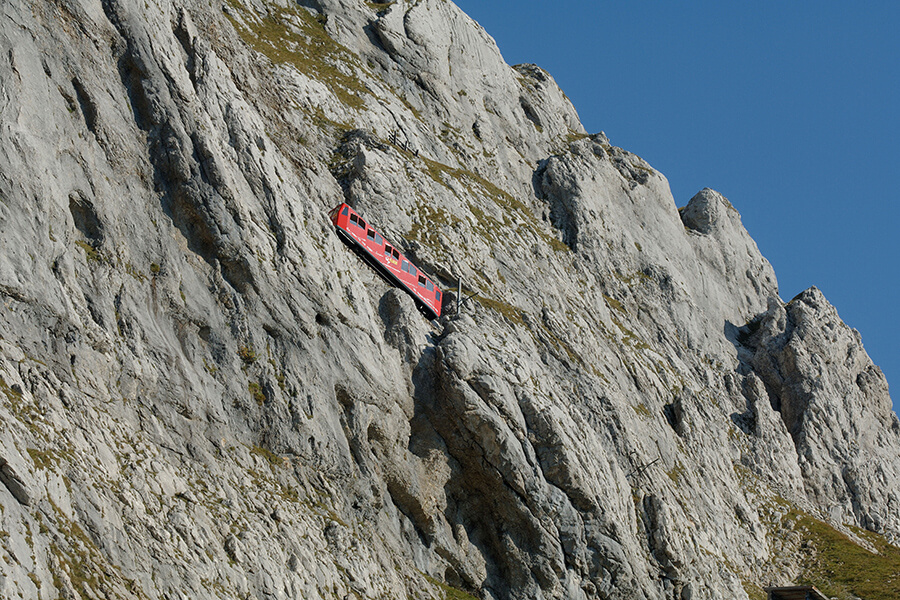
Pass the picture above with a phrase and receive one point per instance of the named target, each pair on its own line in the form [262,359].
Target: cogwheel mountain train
[386,259]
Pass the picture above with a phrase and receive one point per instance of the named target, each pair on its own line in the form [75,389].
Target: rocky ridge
[206,395]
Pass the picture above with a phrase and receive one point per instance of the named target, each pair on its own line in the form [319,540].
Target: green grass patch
[44,459]
[480,187]
[426,228]
[294,36]
[28,414]
[273,459]
[574,137]
[449,593]
[91,253]
[642,410]
[256,392]
[754,591]
[613,303]
[379,6]
[82,562]
[841,568]
[511,313]
[14,397]
[35,580]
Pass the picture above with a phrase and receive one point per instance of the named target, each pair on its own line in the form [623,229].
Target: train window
[362,223]
[370,234]
[396,254]
[429,285]
[437,295]
[421,280]
[388,249]
[346,210]
[378,239]
[412,269]
[354,219]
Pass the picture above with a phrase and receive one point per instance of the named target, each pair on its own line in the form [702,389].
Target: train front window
[345,211]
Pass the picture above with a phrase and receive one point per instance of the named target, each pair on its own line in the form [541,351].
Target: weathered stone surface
[834,403]
[15,485]
[205,394]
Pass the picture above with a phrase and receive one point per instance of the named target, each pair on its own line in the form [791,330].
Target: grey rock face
[205,394]
[836,406]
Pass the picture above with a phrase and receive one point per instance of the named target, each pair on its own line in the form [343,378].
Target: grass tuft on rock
[449,593]
[91,253]
[256,392]
[247,354]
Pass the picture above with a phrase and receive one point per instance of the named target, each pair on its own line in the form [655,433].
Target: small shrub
[247,354]
[257,392]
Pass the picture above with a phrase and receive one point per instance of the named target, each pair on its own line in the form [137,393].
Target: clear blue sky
[790,109]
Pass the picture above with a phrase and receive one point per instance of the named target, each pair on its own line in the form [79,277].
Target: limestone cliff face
[207,395]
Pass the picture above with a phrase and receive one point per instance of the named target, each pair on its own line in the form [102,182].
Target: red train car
[386,259]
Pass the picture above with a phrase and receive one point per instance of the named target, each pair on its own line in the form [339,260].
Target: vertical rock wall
[206,395]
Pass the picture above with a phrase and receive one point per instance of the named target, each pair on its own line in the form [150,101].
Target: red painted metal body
[385,257]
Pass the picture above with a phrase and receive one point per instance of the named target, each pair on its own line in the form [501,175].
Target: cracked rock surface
[204,394]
